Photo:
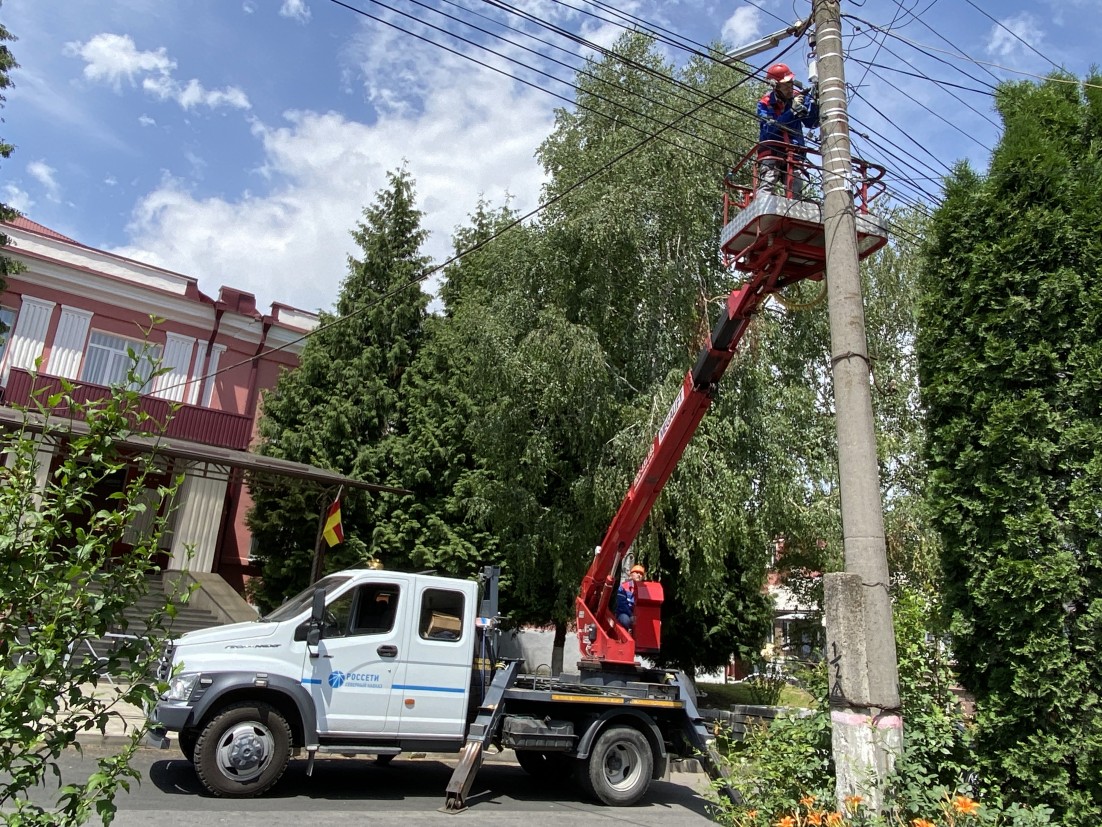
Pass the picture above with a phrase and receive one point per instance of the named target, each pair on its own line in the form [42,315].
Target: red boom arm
[600,637]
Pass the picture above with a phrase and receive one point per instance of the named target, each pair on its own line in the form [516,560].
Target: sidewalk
[124,721]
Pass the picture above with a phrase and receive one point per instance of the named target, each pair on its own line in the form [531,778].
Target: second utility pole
[866,724]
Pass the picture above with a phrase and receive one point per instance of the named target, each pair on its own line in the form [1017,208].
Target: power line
[1015,35]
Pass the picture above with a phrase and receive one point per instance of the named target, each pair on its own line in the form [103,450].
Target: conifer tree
[1011,366]
[343,408]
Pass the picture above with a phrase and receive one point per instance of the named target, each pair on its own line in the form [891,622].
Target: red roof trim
[24,223]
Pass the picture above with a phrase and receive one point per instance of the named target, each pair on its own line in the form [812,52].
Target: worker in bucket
[625,597]
[784,112]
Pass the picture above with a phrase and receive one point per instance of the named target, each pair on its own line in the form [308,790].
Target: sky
[239,141]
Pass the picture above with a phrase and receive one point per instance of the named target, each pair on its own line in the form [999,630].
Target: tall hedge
[1010,354]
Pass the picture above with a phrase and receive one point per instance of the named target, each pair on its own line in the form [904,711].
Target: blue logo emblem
[336,679]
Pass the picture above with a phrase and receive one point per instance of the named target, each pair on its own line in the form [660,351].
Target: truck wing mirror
[317,618]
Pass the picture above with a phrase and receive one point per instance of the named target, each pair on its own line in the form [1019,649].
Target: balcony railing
[188,422]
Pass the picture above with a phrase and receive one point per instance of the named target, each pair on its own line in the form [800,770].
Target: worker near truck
[625,597]
[784,112]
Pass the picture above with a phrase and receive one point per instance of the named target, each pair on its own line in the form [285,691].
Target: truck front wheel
[243,751]
[186,740]
[618,770]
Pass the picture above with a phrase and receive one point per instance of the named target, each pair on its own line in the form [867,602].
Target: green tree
[1011,366]
[7,64]
[61,586]
[344,408]
[591,328]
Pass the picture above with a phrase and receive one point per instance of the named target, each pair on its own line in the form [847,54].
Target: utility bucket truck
[377,663]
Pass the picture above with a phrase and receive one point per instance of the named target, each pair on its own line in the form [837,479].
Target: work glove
[799,109]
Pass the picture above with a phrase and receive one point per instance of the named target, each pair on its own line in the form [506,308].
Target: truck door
[439,656]
[359,659]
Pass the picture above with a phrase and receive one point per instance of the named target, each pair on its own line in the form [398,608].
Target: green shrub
[61,586]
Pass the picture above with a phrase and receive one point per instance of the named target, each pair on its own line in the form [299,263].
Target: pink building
[74,311]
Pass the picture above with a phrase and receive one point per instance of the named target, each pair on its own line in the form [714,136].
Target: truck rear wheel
[618,770]
[547,765]
[243,751]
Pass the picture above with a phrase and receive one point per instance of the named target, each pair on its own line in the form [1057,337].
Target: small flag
[333,531]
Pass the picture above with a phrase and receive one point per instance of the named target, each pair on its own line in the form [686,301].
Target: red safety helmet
[639,569]
[779,73]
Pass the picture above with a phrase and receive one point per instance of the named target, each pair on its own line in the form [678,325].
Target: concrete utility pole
[864,681]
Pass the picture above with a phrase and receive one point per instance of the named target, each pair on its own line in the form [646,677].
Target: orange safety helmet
[639,569]
[779,73]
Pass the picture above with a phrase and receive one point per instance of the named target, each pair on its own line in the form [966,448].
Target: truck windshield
[301,601]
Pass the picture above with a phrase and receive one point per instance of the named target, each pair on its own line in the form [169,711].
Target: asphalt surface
[410,788]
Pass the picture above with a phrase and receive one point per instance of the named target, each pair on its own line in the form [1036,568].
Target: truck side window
[337,614]
[376,609]
[441,614]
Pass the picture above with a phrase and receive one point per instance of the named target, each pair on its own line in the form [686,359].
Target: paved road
[408,790]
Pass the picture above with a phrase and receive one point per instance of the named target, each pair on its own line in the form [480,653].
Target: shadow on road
[422,780]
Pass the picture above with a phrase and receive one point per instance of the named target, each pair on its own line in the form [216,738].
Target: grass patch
[725,695]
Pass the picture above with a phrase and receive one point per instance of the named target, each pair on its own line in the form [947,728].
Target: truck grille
[164,665]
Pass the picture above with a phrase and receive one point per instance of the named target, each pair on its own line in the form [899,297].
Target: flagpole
[318,565]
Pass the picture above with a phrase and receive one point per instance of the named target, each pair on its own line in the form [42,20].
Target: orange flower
[921,822]
[815,818]
[966,806]
[787,821]
[853,802]
[834,819]
[751,814]
[807,801]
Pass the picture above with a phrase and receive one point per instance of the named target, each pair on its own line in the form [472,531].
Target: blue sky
[239,140]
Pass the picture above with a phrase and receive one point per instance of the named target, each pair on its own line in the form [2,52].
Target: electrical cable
[477,245]
[1016,36]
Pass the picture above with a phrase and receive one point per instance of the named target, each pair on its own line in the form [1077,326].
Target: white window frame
[107,360]
[5,336]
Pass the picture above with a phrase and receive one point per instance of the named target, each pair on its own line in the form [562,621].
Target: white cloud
[291,243]
[193,94]
[742,27]
[112,58]
[1006,37]
[295,9]
[46,176]
[249,7]
[145,120]
[17,199]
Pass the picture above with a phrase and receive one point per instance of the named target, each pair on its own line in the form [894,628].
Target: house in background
[74,313]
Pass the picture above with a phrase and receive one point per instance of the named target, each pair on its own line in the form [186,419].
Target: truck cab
[362,662]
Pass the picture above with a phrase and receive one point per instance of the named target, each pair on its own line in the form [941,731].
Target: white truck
[378,663]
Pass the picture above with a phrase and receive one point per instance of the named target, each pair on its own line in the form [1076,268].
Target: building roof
[24,223]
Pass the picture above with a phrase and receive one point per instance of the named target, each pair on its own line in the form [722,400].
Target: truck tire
[186,740]
[243,751]
[618,770]
[549,765]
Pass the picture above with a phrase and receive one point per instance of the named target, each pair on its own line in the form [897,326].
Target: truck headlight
[180,686]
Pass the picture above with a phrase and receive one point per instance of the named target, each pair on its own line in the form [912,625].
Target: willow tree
[593,326]
[1011,367]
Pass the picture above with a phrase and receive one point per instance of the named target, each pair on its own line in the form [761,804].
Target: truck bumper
[170,716]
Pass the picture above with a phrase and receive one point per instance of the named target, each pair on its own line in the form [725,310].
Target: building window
[7,322]
[109,360]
